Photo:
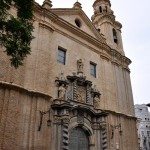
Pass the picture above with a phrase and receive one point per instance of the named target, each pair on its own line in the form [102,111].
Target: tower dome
[105,22]
[102,6]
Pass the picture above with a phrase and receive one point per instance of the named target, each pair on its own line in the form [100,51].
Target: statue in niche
[62,92]
[61,77]
[80,66]
[96,102]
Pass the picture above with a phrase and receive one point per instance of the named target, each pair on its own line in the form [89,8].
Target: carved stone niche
[61,110]
[96,98]
[95,92]
[80,117]
[62,85]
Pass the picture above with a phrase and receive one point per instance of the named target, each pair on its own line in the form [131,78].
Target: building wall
[142,113]
[31,89]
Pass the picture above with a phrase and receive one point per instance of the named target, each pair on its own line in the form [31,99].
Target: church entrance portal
[78,139]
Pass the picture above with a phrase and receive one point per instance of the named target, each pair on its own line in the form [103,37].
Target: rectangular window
[93,69]
[61,56]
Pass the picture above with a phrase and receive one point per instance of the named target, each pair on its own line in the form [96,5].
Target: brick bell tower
[105,23]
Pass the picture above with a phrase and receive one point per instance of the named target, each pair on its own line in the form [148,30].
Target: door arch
[78,139]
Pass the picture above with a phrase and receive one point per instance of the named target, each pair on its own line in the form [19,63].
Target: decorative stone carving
[69,94]
[61,77]
[81,94]
[62,85]
[80,66]
[88,94]
[96,102]
[103,124]
[80,117]
[61,92]
[47,4]
[95,126]
[104,138]
[96,97]
[77,5]
[61,80]
[65,141]
[65,119]
[57,120]
[77,88]
[74,91]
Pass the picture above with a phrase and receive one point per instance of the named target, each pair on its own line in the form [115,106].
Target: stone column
[104,138]
[75,90]
[65,135]
[88,97]
[56,135]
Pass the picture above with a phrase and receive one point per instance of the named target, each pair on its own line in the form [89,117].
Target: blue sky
[135,18]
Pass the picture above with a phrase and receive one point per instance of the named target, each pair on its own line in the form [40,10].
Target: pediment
[79,20]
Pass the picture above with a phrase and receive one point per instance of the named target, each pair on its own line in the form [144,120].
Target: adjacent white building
[143,125]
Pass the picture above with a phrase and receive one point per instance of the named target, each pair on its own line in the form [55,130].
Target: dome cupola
[105,22]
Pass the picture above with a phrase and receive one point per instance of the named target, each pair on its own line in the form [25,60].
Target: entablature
[116,58]
[16,87]
[101,18]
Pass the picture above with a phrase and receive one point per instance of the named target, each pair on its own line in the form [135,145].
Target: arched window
[115,36]
[100,9]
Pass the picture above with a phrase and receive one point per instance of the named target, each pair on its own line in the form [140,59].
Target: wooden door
[78,139]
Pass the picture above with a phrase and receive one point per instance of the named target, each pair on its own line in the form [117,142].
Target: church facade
[73,92]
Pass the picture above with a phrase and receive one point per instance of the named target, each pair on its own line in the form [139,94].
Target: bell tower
[105,23]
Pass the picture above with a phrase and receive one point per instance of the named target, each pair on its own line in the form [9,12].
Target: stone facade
[45,104]
[143,126]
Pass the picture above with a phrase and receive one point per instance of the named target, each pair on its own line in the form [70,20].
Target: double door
[78,139]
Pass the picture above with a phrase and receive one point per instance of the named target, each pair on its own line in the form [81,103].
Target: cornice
[116,63]
[105,52]
[126,61]
[74,11]
[105,56]
[64,11]
[80,33]
[49,27]
[19,88]
[103,15]
[126,69]
[103,49]
[41,11]
[53,13]
[80,42]
[117,59]
[120,114]
[76,31]
[110,18]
